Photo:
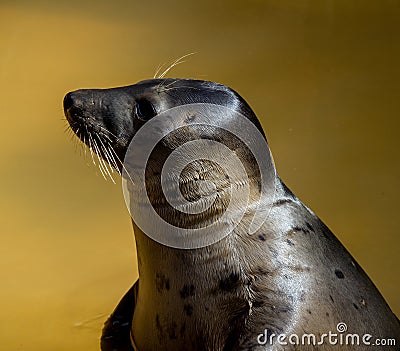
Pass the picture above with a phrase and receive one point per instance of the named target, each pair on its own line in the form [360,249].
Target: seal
[291,285]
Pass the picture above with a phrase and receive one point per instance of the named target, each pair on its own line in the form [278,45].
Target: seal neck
[198,297]
[195,297]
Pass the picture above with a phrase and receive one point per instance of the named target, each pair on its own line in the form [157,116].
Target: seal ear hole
[144,109]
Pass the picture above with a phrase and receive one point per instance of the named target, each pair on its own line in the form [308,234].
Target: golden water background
[323,77]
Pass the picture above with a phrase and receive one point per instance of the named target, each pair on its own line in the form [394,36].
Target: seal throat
[200,197]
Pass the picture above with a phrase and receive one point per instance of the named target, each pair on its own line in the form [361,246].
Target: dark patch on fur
[159,328]
[171,330]
[284,309]
[187,290]
[281,202]
[188,308]
[310,227]
[182,330]
[258,303]
[261,271]
[273,251]
[300,268]
[300,229]
[339,273]
[331,298]
[162,282]
[262,237]
[229,283]
[355,306]
[290,243]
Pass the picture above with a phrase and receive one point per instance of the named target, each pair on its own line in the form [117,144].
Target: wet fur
[292,276]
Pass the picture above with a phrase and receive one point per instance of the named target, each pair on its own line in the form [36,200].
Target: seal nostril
[68,101]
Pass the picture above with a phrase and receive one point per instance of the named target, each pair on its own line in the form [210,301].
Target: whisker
[114,162]
[122,165]
[89,320]
[105,131]
[169,84]
[110,158]
[160,66]
[85,146]
[91,148]
[104,150]
[77,143]
[175,63]
[108,163]
[99,146]
[100,163]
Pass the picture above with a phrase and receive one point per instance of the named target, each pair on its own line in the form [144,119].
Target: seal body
[244,292]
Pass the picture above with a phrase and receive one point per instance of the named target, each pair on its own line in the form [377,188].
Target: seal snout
[78,115]
[75,103]
[79,107]
[72,106]
[68,101]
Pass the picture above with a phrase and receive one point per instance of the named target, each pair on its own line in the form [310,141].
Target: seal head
[113,116]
